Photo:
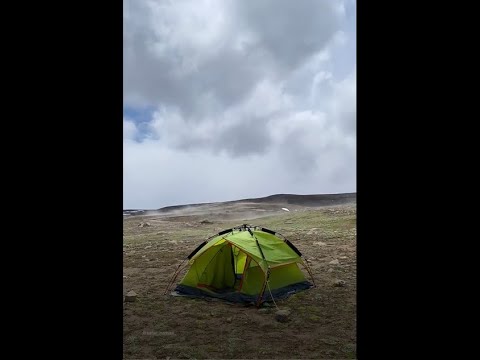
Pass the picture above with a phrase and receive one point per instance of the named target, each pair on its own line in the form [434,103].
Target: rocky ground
[317,323]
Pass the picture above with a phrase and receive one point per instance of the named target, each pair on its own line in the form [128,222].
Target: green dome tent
[244,264]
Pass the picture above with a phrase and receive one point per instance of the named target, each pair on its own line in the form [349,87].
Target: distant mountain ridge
[293,199]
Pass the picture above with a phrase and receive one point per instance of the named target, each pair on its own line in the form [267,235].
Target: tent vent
[268,231]
[224,231]
[293,247]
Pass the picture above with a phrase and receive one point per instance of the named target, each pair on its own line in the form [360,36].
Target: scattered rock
[148,247]
[206,222]
[339,283]
[282,316]
[143,256]
[319,243]
[328,341]
[144,224]
[312,231]
[330,270]
[124,276]
[334,262]
[343,257]
[131,296]
[229,320]
[264,310]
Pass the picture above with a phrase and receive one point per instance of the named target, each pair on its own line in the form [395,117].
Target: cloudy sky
[231,99]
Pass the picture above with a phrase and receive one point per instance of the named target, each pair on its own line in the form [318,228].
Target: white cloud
[252,98]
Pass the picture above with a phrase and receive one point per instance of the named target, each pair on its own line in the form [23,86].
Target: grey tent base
[236,297]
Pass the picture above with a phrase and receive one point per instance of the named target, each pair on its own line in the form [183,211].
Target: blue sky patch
[138,115]
[141,117]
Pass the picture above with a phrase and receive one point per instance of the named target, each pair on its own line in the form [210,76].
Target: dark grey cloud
[251,136]
[160,69]
[291,31]
[261,39]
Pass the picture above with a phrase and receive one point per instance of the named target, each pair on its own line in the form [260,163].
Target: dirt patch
[322,320]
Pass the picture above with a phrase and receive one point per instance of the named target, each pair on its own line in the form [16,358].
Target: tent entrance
[226,270]
[240,259]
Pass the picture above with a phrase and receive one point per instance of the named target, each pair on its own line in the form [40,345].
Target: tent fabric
[239,264]
[275,250]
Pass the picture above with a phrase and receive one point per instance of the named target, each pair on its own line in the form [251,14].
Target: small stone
[282,316]
[264,310]
[343,257]
[339,283]
[131,296]
[334,262]
[229,320]
[143,256]
[124,276]
[328,341]
[330,270]
[148,247]
[319,243]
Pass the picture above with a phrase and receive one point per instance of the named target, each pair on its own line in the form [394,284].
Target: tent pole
[174,276]
[304,263]
[263,289]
